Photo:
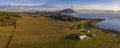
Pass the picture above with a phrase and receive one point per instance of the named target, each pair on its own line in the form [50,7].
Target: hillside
[69,10]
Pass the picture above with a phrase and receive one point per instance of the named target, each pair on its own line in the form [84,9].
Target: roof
[82,37]
[86,30]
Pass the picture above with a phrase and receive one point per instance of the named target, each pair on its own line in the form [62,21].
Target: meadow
[45,32]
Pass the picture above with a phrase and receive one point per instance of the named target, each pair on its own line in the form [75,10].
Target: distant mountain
[69,10]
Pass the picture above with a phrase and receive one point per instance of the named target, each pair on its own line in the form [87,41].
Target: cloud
[11,8]
[49,5]
[26,1]
[18,1]
[18,8]
[97,6]
[23,5]
[52,6]
[74,6]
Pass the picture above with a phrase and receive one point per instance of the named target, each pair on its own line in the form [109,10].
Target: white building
[82,37]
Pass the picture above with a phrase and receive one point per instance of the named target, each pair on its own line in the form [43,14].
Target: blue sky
[60,2]
[76,4]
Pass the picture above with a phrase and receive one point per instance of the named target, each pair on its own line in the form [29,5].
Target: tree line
[8,18]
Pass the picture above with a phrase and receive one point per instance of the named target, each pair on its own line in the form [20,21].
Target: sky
[58,4]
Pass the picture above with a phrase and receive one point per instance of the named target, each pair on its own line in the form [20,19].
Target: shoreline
[100,20]
[97,21]
[109,22]
[94,22]
[106,30]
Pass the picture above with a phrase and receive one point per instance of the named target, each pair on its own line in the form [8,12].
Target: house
[82,37]
[86,31]
[93,34]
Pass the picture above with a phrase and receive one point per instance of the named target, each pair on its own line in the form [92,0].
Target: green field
[43,32]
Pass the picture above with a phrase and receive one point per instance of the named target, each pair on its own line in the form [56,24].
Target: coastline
[52,30]
[70,18]
[110,29]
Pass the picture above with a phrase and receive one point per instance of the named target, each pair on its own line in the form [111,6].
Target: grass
[42,32]
[5,32]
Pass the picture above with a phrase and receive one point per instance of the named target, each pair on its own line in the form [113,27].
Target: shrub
[7,18]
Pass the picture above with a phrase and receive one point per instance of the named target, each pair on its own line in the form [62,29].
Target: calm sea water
[96,15]
[112,21]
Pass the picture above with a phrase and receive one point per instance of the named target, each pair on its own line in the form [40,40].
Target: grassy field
[5,32]
[42,32]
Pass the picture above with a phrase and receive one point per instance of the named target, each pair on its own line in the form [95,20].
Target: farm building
[82,37]
[86,31]
[93,34]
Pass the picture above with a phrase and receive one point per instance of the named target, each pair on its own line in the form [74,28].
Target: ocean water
[96,15]
[111,22]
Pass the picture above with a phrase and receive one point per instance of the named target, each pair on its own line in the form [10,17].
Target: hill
[69,10]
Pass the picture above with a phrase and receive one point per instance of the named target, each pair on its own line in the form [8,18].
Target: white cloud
[97,6]
[19,8]
[18,1]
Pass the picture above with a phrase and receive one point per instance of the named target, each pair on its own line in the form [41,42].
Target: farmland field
[43,32]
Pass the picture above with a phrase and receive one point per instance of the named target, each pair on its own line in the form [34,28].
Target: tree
[7,18]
